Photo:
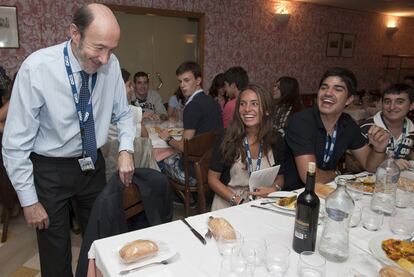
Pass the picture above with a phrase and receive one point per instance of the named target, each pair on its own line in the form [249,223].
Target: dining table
[160,148]
[197,259]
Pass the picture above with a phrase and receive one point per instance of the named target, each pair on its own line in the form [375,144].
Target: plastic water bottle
[386,181]
[334,244]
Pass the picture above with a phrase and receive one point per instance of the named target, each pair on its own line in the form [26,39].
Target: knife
[268,209]
[197,234]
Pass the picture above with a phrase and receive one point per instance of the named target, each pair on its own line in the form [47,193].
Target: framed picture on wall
[9,35]
[348,45]
[333,46]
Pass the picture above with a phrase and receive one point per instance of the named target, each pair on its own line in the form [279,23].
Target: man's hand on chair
[126,167]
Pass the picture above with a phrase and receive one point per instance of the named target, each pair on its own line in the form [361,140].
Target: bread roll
[138,249]
[220,227]
[393,271]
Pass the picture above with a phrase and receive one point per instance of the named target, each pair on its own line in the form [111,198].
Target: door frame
[200,17]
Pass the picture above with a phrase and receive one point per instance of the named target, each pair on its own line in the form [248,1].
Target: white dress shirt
[42,115]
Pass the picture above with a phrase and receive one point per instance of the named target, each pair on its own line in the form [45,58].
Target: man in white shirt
[149,100]
[64,98]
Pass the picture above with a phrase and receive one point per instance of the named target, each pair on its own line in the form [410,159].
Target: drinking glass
[254,245]
[372,220]
[233,266]
[355,217]
[402,222]
[402,197]
[311,264]
[277,259]
[228,246]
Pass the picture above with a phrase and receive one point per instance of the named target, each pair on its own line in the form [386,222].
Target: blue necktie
[89,138]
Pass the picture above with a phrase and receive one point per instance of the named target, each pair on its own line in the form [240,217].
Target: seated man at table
[201,114]
[322,133]
[149,100]
[396,103]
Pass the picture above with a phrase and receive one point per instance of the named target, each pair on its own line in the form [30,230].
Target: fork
[164,262]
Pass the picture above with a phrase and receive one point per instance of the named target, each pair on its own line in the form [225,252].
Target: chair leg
[5,218]
[186,203]
[201,202]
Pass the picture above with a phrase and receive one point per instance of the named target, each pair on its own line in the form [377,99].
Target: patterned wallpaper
[243,32]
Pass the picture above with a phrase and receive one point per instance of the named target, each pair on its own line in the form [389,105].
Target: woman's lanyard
[249,156]
[393,145]
[329,146]
[88,109]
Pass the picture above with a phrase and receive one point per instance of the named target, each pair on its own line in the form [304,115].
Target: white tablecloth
[204,260]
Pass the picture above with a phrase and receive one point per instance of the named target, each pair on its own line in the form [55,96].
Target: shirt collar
[192,96]
[341,120]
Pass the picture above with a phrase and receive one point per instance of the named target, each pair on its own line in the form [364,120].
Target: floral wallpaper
[243,32]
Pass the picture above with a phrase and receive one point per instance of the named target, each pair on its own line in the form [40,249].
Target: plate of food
[286,203]
[363,182]
[175,132]
[393,250]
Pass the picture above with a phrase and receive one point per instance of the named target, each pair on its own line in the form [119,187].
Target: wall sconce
[392,27]
[281,13]
[189,38]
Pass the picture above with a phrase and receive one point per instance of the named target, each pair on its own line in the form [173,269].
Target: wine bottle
[307,215]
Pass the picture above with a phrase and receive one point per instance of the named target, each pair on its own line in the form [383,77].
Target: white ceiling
[392,7]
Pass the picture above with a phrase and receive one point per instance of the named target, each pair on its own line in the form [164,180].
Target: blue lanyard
[249,156]
[88,109]
[394,148]
[329,146]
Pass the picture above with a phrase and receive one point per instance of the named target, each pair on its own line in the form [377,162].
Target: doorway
[157,41]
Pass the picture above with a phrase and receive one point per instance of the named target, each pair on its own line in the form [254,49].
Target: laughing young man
[323,133]
[396,103]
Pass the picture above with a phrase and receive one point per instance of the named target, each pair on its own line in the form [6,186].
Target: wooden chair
[201,169]
[194,149]
[132,201]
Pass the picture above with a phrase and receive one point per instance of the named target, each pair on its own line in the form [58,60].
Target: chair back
[132,203]
[201,169]
[194,149]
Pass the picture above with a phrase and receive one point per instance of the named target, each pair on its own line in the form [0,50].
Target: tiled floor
[19,256]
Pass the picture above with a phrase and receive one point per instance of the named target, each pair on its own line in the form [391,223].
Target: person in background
[397,101]
[64,98]
[149,100]
[236,81]
[176,104]
[218,90]
[141,131]
[201,115]
[8,88]
[321,134]
[250,134]
[409,80]
[287,101]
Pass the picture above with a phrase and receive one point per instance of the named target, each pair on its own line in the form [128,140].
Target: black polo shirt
[306,135]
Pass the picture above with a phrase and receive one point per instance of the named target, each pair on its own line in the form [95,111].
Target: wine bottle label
[301,229]
[336,214]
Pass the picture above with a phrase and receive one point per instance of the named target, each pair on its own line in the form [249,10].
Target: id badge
[86,164]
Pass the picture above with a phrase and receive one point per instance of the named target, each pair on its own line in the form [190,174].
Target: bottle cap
[311,167]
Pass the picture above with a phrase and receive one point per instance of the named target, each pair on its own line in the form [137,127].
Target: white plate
[356,177]
[374,246]
[283,207]
[282,193]
[164,252]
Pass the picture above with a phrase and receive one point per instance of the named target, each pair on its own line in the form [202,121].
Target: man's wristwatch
[168,139]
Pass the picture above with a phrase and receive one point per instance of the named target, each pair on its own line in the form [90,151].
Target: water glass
[355,217]
[311,264]
[403,198]
[372,220]
[233,266]
[402,222]
[256,246]
[228,246]
[277,259]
